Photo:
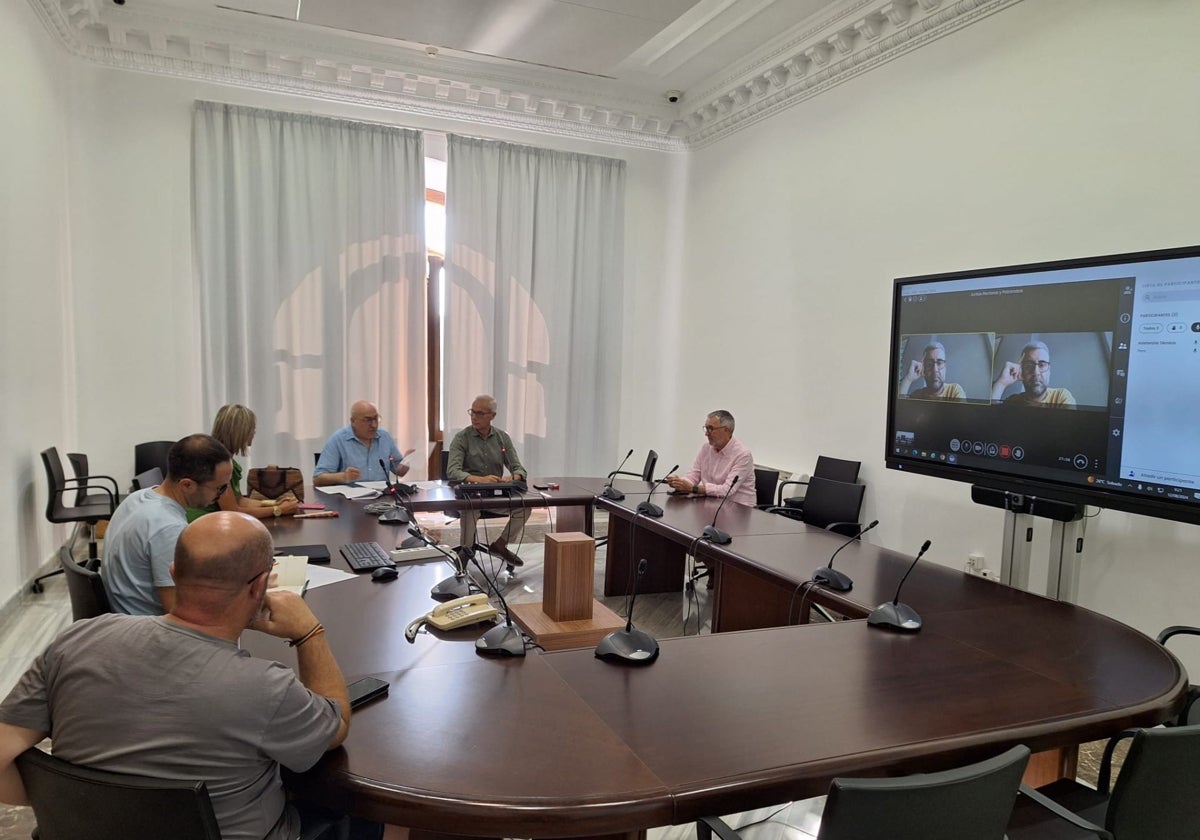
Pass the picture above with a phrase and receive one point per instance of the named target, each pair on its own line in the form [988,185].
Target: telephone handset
[471,609]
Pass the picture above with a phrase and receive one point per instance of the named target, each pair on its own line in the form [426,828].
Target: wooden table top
[562,744]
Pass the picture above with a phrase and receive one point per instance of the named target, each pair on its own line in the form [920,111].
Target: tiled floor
[36,619]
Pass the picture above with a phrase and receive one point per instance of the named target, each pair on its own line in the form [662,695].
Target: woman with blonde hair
[234,426]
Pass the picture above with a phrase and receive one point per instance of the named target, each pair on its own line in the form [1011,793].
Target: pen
[304,588]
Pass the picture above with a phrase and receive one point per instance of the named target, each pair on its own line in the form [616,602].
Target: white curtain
[534,277]
[310,254]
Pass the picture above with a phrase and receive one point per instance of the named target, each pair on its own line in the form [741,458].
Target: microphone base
[451,588]
[715,535]
[899,617]
[395,516]
[501,640]
[832,579]
[630,646]
[648,508]
[613,494]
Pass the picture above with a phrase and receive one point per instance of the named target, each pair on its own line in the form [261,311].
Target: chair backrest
[56,509]
[648,468]
[827,502]
[316,459]
[70,802]
[85,586]
[79,466]
[973,801]
[764,486]
[150,478]
[836,469]
[151,454]
[1154,797]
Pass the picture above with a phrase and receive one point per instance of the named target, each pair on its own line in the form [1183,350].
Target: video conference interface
[1085,375]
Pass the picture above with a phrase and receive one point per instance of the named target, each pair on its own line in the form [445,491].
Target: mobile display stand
[1066,539]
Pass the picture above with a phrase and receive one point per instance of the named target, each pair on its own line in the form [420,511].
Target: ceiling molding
[826,57]
[855,37]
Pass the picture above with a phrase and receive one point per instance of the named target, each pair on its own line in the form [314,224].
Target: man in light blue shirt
[139,546]
[353,452]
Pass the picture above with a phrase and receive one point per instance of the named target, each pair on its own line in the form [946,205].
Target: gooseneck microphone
[459,584]
[503,639]
[892,615]
[397,515]
[711,532]
[637,647]
[648,508]
[611,492]
[830,577]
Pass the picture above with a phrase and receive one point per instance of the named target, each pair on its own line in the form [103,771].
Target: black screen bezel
[1001,479]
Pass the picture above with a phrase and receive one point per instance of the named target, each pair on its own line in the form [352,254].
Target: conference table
[565,745]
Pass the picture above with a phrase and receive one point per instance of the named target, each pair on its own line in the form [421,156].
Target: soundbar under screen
[1076,380]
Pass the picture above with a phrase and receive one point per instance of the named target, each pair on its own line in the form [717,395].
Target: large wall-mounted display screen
[1076,380]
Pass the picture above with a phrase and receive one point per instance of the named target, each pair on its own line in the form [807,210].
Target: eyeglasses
[475,413]
[1029,367]
[935,363]
[708,430]
[265,571]
[371,420]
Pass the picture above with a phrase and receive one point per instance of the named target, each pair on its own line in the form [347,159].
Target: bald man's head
[364,420]
[219,554]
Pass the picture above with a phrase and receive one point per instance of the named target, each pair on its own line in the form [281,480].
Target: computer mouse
[385,573]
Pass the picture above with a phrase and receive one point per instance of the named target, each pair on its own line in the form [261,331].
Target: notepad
[290,573]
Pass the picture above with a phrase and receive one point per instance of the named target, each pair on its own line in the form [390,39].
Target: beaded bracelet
[316,631]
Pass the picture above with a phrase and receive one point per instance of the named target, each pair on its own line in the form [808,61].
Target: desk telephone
[460,612]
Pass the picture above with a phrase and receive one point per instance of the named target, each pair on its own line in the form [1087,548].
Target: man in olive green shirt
[480,454]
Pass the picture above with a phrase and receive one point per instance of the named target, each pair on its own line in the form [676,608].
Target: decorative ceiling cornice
[857,36]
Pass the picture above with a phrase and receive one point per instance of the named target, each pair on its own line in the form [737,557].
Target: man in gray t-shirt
[174,697]
[140,542]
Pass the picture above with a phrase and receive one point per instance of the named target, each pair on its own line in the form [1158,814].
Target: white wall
[1049,130]
[35,248]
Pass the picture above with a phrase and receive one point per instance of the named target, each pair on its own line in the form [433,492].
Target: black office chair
[835,469]
[765,482]
[647,473]
[150,478]
[152,454]
[88,596]
[100,489]
[968,802]
[1190,713]
[79,467]
[71,802]
[1154,797]
[832,505]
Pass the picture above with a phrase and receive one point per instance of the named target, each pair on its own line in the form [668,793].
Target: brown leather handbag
[274,482]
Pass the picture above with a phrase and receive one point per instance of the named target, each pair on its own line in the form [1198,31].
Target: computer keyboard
[494,488]
[366,556]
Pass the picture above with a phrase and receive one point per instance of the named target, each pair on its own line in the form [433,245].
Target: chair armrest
[790,513]
[846,529]
[1105,775]
[81,484]
[706,826]
[624,472]
[1062,813]
[782,484]
[1177,630]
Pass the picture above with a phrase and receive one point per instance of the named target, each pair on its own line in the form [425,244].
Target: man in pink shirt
[718,461]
